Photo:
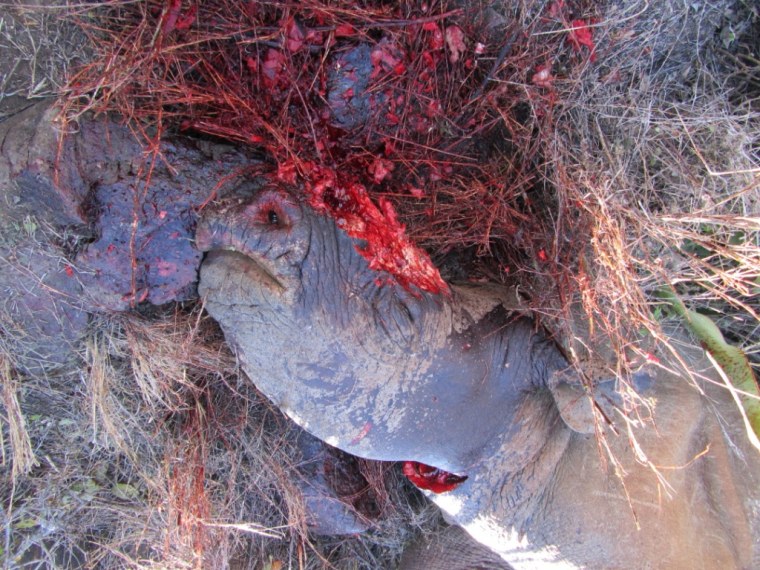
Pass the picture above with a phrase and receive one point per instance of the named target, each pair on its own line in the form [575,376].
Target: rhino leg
[337,497]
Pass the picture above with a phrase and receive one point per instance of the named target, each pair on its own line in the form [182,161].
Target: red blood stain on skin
[271,213]
[166,268]
[431,478]
[362,434]
[385,244]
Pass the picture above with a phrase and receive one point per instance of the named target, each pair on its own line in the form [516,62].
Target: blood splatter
[362,434]
[386,246]
[455,42]
[581,34]
[344,31]
[187,20]
[435,40]
[294,36]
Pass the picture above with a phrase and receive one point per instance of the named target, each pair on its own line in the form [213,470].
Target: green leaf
[727,36]
[25,523]
[125,491]
[86,489]
[738,238]
[30,226]
[694,248]
[731,358]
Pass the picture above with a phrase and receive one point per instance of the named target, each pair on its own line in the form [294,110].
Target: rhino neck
[506,496]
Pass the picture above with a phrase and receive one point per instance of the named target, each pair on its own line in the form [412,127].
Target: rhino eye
[273,218]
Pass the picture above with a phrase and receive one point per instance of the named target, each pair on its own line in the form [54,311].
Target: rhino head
[379,371]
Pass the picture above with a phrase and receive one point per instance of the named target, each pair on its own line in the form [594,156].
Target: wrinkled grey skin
[41,316]
[701,510]
[464,384]
[67,207]
[450,549]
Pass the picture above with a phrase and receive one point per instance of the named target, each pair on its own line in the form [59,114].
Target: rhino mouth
[252,269]
[431,478]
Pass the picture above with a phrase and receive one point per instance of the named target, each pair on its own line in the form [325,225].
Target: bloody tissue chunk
[431,478]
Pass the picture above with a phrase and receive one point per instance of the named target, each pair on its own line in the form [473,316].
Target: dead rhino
[464,384]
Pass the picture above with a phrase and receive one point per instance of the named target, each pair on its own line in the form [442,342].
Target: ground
[592,153]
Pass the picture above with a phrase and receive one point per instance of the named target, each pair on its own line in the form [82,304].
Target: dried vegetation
[159,453]
[591,152]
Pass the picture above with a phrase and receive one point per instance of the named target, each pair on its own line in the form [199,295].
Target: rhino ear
[574,402]
[581,407]
[476,300]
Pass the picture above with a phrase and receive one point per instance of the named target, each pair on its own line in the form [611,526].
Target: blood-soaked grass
[437,119]
[481,128]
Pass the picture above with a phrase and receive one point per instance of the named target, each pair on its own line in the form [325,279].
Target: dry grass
[166,455]
[591,189]
[668,177]
[654,160]
[22,458]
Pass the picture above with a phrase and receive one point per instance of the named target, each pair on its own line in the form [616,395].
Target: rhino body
[465,384]
[568,508]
